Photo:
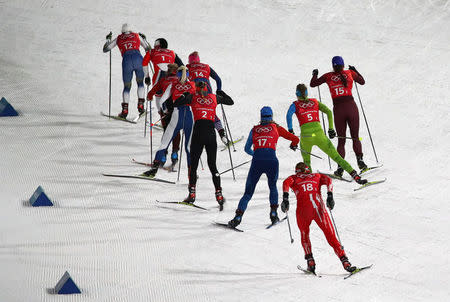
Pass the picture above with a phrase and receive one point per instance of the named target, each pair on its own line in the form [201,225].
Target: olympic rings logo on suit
[305,175]
[336,78]
[203,101]
[181,87]
[263,129]
[306,105]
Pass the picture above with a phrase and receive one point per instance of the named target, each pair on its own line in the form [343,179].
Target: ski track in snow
[118,244]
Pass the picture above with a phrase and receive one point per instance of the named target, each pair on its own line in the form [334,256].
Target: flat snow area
[118,244]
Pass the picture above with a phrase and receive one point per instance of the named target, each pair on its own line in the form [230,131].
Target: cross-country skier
[201,72]
[182,118]
[161,57]
[160,86]
[129,43]
[307,112]
[264,138]
[340,83]
[310,206]
[203,104]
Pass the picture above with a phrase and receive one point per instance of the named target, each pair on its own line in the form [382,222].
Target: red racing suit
[310,206]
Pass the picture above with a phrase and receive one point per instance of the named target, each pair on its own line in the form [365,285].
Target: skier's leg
[211,152]
[196,152]
[252,179]
[172,129]
[340,123]
[326,146]
[303,222]
[188,127]
[306,144]
[127,76]
[272,177]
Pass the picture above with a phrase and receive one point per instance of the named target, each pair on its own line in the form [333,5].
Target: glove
[285,203]
[350,67]
[143,36]
[330,200]
[225,140]
[109,36]
[185,94]
[147,81]
[315,72]
[291,131]
[293,147]
[331,133]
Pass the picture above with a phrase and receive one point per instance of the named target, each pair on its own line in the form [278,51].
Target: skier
[161,85]
[264,139]
[161,57]
[182,118]
[307,112]
[201,72]
[310,206]
[129,43]
[203,104]
[340,83]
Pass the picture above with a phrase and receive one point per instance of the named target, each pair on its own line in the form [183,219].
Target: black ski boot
[219,198]
[140,106]
[152,172]
[310,263]
[347,265]
[174,158]
[191,196]
[339,172]
[361,164]
[236,220]
[273,214]
[358,178]
[124,112]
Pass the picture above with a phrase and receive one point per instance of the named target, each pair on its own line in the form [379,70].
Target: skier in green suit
[307,112]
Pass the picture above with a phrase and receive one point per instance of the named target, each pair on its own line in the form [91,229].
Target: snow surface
[119,245]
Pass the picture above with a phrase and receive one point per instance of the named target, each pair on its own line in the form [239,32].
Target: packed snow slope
[120,245]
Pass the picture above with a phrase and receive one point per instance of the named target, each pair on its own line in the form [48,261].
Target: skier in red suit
[310,206]
[345,111]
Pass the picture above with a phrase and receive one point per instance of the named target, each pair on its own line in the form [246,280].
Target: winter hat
[301,91]
[266,114]
[161,42]
[194,58]
[337,60]
[126,28]
[301,167]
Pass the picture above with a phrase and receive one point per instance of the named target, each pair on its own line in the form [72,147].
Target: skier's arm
[326,180]
[153,91]
[249,144]
[216,78]
[178,60]
[109,45]
[144,42]
[317,81]
[287,135]
[287,183]
[184,99]
[224,99]
[357,77]
[327,111]
[289,114]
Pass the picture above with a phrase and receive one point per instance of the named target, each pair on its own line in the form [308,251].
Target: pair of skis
[227,226]
[369,183]
[357,270]
[118,118]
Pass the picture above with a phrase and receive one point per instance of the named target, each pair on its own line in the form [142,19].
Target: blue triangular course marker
[6,109]
[40,199]
[66,286]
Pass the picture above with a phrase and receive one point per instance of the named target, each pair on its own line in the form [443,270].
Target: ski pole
[289,227]
[367,125]
[334,224]
[201,163]
[229,151]
[109,111]
[323,122]
[309,153]
[235,167]
[151,127]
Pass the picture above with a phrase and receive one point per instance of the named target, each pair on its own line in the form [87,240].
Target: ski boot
[273,214]
[347,265]
[339,172]
[358,178]
[219,198]
[174,158]
[361,164]
[191,196]
[236,220]
[124,112]
[152,172]
[310,263]
[140,106]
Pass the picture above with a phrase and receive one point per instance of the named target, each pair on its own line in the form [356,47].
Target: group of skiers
[185,101]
